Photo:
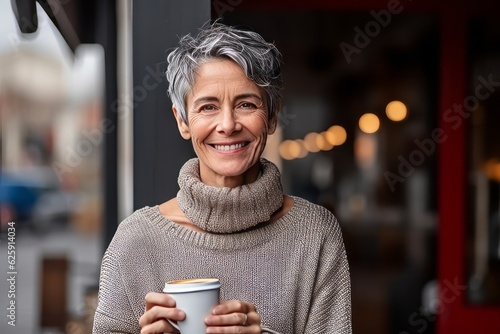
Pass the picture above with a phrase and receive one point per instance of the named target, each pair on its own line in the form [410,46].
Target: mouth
[231,147]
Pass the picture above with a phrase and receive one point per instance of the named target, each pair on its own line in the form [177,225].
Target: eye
[207,108]
[247,106]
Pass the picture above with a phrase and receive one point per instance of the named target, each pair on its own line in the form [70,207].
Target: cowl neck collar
[229,210]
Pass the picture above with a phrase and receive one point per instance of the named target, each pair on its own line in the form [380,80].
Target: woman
[280,259]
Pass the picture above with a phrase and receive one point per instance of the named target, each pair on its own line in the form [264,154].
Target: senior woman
[280,259]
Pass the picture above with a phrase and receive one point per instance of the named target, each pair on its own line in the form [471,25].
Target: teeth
[229,147]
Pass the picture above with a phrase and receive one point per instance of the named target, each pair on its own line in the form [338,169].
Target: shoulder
[314,218]
[313,211]
[136,229]
[139,220]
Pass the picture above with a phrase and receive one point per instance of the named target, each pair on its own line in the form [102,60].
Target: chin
[231,172]
[234,168]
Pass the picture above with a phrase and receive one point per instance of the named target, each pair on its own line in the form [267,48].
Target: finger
[160,326]
[232,306]
[253,318]
[239,319]
[156,298]
[157,313]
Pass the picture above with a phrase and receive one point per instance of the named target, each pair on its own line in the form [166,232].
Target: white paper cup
[196,297]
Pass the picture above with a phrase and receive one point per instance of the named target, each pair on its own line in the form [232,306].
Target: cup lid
[191,285]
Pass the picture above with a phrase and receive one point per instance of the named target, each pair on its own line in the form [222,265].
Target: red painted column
[451,163]
[455,315]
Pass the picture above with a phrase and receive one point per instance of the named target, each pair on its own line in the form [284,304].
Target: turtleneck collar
[228,210]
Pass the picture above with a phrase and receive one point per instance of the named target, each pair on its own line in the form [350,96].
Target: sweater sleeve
[114,313]
[330,311]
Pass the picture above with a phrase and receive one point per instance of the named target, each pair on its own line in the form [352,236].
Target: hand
[234,316]
[159,307]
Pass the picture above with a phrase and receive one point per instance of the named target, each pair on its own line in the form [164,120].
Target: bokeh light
[492,168]
[337,135]
[302,152]
[285,151]
[310,142]
[369,123]
[292,149]
[396,111]
[322,141]
[313,142]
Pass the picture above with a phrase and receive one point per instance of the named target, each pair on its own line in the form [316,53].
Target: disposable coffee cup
[196,297]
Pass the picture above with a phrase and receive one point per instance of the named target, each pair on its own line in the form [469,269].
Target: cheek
[260,124]
[200,129]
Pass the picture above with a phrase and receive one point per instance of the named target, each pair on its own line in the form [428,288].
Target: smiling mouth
[230,147]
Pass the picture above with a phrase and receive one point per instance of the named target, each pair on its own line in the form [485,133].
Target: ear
[273,123]
[183,127]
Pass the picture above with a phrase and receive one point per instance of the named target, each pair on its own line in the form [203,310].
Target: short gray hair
[259,60]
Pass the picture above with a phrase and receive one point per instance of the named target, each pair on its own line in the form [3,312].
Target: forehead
[218,75]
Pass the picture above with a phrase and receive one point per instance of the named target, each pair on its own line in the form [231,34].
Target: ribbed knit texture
[294,270]
[227,210]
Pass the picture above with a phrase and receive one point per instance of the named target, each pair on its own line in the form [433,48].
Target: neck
[230,209]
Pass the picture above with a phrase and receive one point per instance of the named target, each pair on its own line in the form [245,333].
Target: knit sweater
[294,270]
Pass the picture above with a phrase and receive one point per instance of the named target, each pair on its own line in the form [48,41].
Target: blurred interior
[369,128]
[483,156]
[389,229]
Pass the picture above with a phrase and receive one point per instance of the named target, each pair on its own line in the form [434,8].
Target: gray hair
[260,61]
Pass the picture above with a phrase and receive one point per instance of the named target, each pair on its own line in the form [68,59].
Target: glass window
[483,150]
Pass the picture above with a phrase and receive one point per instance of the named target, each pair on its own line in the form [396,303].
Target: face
[227,123]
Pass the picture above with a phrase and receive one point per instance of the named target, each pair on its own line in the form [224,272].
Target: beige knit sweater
[294,270]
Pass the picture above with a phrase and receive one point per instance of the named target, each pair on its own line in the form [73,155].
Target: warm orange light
[292,149]
[285,151]
[369,123]
[493,169]
[336,135]
[303,152]
[310,142]
[322,141]
[365,148]
[396,111]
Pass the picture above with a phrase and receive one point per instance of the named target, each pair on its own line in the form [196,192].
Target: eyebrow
[214,98]
[244,96]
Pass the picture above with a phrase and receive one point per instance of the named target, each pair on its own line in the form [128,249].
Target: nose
[227,122]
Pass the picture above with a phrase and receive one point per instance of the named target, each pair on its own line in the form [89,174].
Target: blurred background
[390,116]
